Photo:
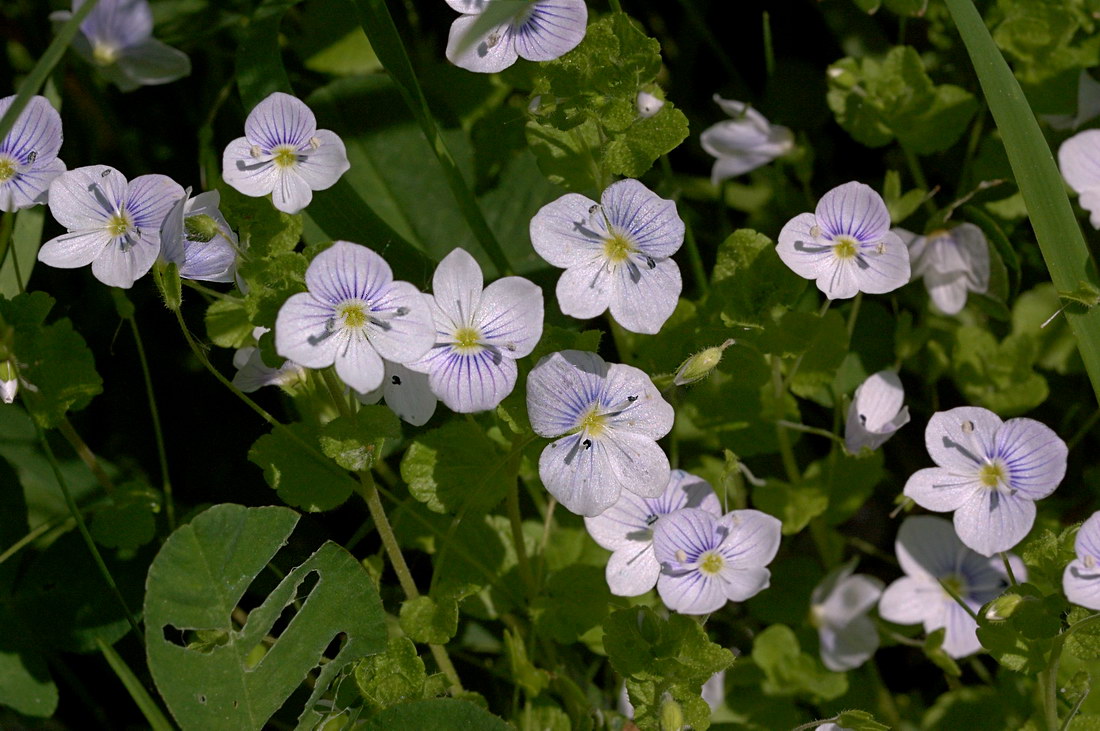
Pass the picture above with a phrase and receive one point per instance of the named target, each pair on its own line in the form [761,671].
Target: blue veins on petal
[28,154]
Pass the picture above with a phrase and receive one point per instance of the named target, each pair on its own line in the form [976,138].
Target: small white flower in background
[406,392]
[846,244]
[1088,105]
[117,37]
[537,30]
[9,381]
[28,154]
[878,410]
[990,473]
[112,224]
[838,608]
[707,560]
[952,261]
[743,143]
[253,374]
[929,552]
[626,529]
[1081,579]
[284,154]
[1079,161]
[196,236]
[353,316]
[479,333]
[615,254]
[648,104]
[611,415]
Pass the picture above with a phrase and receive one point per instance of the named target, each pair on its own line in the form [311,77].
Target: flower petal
[882,267]
[37,129]
[961,638]
[149,198]
[408,394]
[947,291]
[291,192]
[992,521]
[1035,456]
[879,399]
[121,266]
[280,119]
[564,234]
[581,479]
[456,287]
[692,593]
[347,271]
[357,362]
[632,570]
[120,23]
[585,291]
[69,251]
[250,175]
[848,646]
[955,449]
[940,490]
[553,28]
[732,165]
[625,525]
[637,462]
[643,297]
[808,256]
[852,598]
[909,600]
[561,387]
[404,337]
[642,408]
[1087,542]
[151,62]
[473,382]
[1081,584]
[752,538]
[510,316]
[30,187]
[855,210]
[83,199]
[1079,160]
[321,166]
[649,221]
[740,584]
[927,546]
[302,333]
[494,50]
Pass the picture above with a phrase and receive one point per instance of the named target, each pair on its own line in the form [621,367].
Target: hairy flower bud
[700,365]
[672,715]
[9,381]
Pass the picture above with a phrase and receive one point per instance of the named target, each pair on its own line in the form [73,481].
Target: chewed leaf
[214,674]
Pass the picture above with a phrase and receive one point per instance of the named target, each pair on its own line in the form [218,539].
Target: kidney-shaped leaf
[227,680]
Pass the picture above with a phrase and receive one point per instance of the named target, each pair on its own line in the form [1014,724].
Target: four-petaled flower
[877,411]
[1079,161]
[28,154]
[113,225]
[846,245]
[952,261]
[406,392]
[353,316]
[117,37]
[615,254]
[611,416]
[284,154]
[479,333]
[990,473]
[933,558]
[707,560]
[626,529]
[197,238]
[1081,579]
[743,143]
[838,608]
[537,30]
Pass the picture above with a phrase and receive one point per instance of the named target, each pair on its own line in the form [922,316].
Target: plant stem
[516,522]
[615,6]
[369,492]
[336,391]
[1008,570]
[853,314]
[40,530]
[7,227]
[140,696]
[810,430]
[162,454]
[785,451]
[86,455]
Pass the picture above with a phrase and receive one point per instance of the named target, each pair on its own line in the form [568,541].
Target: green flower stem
[810,430]
[86,455]
[516,522]
[1008,570]
[210,294]
[785,450]
[853,314]
[162,454]
[1083,430]
[698,271]
[1048,679]
[141,697]
[65,523]
[915,169]
[369,492]
[336,391]
[74,510]
[958,600]
[7,227]
[615,6]
[815,724]
[1056,229]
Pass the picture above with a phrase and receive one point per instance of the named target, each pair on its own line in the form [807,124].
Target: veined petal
[692,592]
[253,176]
[474,382]
[637,462]
[291,192]
[879,399]
[643,297]
[72,250]
[992,521]
[1087,542]
[625,525]
[280,119]
[883,267]
[456,287]
[733,137]
[958,439]
[494,50]
[121,265]
[37,129]
[348,271]
[172,231]
[209,261]
[149,198]
[408,394]
[561,388]
[510,316]
[119,23]
[803,250]
[1035,457]
[940,490]
[469,7]
[302,333]
[752,538]
[564,234]
[961,638]
[30,187]
[632,570]
[740,584]
[1079,160]
[909,600]
[83,199]
[585,291]
[1081,583]
[404,337]
[648,221]
[581,478]
[855,210]
[357,362]
[642,409]
[847,646]
[972,242]
[321,166]
[552,29]
[151,62]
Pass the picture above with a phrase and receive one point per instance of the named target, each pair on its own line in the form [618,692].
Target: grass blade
[144,701]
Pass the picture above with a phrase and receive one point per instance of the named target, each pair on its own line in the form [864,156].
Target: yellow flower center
[953,583]
[119,224]
[7,169]
[104,54]
[845,247]
[353,314]
[467,340]
[712,563]
[617,248]
[593,422]
[992,474]
[285,156]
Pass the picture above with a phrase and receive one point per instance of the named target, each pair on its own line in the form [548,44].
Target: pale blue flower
[952,262]
[708,560]
[537,30]
[1079,161]
[877,411]
[990,473]
[114,225]
[846,245]
[1081,579]
[197,238]
[253,374]
[626,529]
[930,552]
[611,416]
[284,154]
[353,316]
[744,143]
[117,37]
[838,608]
[615,254]
[406,392]
[480,332]
[28,154]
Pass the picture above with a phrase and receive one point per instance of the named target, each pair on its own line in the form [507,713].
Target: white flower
[196,236]
[9,381]
[838,609]
[284,154]
[743,143]
[1079,160]
[1081,579]
[846,245]
[253,374]
[28,154]
[930,552]
[537,30]
[615,254]
[626,529]
[479,333]
[952,261]
[353,316]
[112,224]
[406,392]
[877,411]
[647,104]
[990,473]
[611,416]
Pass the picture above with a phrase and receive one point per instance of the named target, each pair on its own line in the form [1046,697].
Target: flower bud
[9,381]
[201,228]
[672,715]
[700,365]
[647,104]
[1003,607]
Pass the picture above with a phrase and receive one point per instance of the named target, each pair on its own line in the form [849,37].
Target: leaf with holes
[235,677]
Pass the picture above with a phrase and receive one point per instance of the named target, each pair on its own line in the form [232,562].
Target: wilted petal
[643,297]
[494,50]
[992,521]
[553,28]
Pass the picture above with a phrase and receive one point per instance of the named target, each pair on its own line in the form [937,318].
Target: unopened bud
[672,715]
[9,381]
[700,365]
[1003,607]
[647,104]
[201,228]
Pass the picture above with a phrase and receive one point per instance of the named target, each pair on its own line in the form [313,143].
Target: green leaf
[227,323]
[789,671]
[197,581]
[573,601]
[859,721]
[260,69]
[795,505]
[750,280]
[437,714]
[900,206]
[999,376]
[427,620]
[25,682]
[915,8]
[25,240]
[847,481]
[569,157]
[528,677]
[351,440]
[632,153]
[394,676]
[456,467]
[1084,642]
[348,56]
[301,479]
[128,522]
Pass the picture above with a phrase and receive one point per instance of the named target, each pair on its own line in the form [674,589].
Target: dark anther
[105,173]
[33,156]
[401,311]
[650,263]
[587,443]
[631,399]
[396,380]
[651,519]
